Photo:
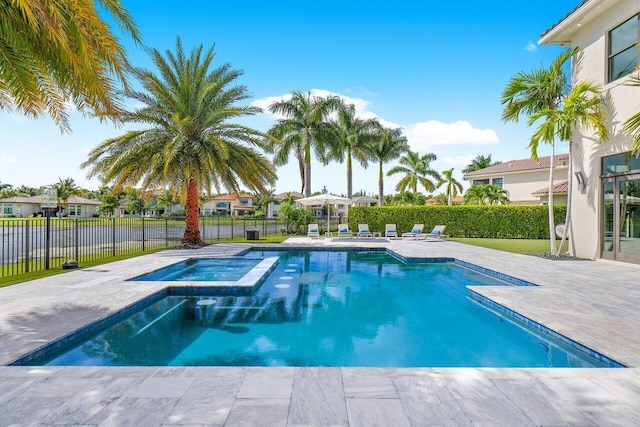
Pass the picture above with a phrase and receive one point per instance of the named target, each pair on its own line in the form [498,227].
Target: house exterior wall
[521,185]
[623,101]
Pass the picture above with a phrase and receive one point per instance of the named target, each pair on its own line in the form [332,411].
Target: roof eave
[562,32]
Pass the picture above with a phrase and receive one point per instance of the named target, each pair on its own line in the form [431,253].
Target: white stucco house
[77,207]
[526,180]
[605,189]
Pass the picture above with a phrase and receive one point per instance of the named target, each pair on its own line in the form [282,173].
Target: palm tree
[480,162]
[496,194]
[452,186]
[305,126]
[57,53]
[190,142]
[166,200]
[388,145]
[353,138]
[632,124]
[546,94]
[416,169]
[65,188]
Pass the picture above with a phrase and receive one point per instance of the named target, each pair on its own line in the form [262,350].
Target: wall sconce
[582,181]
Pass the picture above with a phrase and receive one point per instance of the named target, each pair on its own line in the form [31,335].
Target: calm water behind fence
[34,244]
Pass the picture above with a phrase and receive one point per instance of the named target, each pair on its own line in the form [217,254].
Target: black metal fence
[34,244]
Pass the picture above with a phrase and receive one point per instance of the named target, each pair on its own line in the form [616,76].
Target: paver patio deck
[594,303]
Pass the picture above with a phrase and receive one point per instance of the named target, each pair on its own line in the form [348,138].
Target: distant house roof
[36,200]
[560,188]
[521,165]
[365,199]
[282,196]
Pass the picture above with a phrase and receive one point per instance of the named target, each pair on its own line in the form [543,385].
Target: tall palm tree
[59,52]
[486,194]
[65,188]
[546,94]
[305,126]
[480,162]
[190,142]
[632,124]
[353,138]
[388,145]
[452,186]
[167,200]
[417,170]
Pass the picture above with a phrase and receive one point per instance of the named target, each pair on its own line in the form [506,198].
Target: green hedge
[502,222]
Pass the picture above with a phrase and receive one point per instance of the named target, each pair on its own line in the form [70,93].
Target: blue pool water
[202,269]
[328,309]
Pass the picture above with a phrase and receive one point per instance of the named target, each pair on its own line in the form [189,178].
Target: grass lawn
[516,246]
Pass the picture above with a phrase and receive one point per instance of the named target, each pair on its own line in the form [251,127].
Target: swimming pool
[334,308]
[202,269]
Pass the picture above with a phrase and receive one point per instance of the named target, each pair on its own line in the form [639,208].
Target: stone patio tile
[158,387]
[94,403]
[492,412]
[258,412]
[139,411]
[427,401]
[368,383]
[21,411]
[58,387]
[317,397]
[267,383]
[376,413]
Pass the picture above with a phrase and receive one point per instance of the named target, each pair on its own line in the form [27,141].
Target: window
[244,201]
[75,210]
[221,205]
[207,212]
[480,181]
[8,210]
[620,164]
[623,52]
[497,182]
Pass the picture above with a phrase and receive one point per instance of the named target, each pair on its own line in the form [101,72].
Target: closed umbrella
[324,199]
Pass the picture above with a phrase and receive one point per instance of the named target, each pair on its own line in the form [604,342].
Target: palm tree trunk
[301,166]
[567,218]
[449,195]
[307,171]
[552,225]
[380,186]
[349,175]
[192,229]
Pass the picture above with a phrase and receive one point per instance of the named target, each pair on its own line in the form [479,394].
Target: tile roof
[521,165]
[231,196]
[565,17]
[38,199]
[560,188]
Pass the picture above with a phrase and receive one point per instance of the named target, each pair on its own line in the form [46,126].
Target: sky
[434,68]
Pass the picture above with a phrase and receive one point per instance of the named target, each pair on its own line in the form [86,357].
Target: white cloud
[18,118]
[422,135]
[5,159]
[531,47]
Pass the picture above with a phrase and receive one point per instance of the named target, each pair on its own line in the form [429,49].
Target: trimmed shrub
[501,222]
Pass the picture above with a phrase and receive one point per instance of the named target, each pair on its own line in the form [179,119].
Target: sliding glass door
[621,218]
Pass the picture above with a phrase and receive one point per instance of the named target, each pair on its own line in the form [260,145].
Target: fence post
[47,241]
[26,246]
[143,245]
[232,231]
[204,230]
[113,236]
[166,232]
[76,240]
[218,216]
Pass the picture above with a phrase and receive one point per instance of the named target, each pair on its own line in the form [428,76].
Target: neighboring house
[274,205]
[560,191]
[152,206]
[365,201]
[77,207]
[605,192]
[228,205]
[523,179]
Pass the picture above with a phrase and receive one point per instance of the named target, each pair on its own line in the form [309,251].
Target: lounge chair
[363,231]
[415,232]
[343,231]
[437,232]
[313,231]
[390,231]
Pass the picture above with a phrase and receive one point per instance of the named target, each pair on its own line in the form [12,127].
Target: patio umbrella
[324,199]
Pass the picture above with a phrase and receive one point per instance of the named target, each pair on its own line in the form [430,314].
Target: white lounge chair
[363,231]
[437,232]
[390,231]
[415,232]
[343,231]
[313,231]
